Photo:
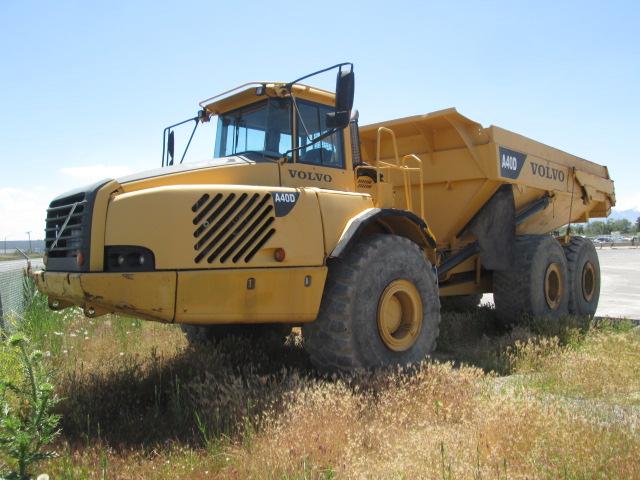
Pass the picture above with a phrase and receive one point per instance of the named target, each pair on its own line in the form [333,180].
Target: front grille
[232,227]
[64,232]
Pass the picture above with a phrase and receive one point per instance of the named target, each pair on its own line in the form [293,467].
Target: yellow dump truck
[303,218]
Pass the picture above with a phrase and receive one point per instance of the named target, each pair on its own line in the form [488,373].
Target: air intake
[232,227]
[64,232]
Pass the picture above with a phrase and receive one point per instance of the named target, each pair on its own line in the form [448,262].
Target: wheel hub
[553,286]
[400,315]
[588,281]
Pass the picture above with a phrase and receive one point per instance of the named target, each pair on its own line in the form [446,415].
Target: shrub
[27,425]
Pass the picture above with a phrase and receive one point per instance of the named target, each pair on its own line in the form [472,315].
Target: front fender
[388,220]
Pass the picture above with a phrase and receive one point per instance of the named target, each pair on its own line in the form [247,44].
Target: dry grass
[439,423]
[605,368]
[140,403]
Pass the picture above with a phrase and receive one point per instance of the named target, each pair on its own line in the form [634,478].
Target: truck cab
[243,237]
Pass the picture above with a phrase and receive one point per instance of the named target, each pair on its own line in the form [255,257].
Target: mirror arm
[339,65]
[190,138]
[165,133]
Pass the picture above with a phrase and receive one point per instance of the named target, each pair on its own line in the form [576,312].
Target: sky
[86,88]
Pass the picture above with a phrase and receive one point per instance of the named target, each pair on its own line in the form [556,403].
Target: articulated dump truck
[355,234]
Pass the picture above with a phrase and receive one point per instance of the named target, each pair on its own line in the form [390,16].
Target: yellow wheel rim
[553,286]
[588,281]
[400,315]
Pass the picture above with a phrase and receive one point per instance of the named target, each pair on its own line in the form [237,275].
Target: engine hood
[237,170]
[185,167]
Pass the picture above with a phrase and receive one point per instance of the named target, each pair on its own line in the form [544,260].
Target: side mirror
[170,148]
[345,86]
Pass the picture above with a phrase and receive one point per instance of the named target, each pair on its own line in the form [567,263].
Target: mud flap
[495,228]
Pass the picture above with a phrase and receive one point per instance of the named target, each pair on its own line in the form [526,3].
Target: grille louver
[64,232]
[233,226]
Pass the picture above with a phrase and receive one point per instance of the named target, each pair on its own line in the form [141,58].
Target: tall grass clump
[42,326]
[27,424]
[199,394]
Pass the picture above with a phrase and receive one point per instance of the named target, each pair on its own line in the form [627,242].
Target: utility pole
[29,233]
[5,244]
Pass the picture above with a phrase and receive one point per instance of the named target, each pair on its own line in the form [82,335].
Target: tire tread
[329,340]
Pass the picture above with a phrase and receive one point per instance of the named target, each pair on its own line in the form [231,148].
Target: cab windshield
[262,129]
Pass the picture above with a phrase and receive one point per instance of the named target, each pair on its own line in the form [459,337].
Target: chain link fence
[12,297]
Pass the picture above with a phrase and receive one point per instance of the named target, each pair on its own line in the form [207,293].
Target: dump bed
[464,164]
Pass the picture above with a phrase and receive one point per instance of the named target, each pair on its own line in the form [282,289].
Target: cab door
[319,164]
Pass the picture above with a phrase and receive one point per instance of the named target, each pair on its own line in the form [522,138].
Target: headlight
[128,259]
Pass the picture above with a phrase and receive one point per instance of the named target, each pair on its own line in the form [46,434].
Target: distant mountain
[630,214]
[11,245]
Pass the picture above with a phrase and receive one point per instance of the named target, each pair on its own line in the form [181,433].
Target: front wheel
[380,307]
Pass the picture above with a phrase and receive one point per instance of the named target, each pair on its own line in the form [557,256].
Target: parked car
[602,241]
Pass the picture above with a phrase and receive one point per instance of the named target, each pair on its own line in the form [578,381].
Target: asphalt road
[11,286]
[9,265]
[620,287]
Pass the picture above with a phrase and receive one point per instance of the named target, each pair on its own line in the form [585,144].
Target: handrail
[406,169]
[395,144]
[401,164]
[378,146]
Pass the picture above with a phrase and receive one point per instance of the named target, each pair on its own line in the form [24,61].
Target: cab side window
[311,124]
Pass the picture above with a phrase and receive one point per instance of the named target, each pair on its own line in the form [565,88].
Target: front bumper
[261,295]
[148,295]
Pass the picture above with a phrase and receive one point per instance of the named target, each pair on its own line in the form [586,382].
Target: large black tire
[537,286]
[347,334]
[269,334]
[583,269]
[460,303]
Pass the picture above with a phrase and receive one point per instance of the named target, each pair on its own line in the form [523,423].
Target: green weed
[27,425]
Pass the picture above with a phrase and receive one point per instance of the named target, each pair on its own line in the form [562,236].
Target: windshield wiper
[326,134]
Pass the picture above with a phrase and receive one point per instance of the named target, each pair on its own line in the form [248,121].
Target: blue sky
[87,87]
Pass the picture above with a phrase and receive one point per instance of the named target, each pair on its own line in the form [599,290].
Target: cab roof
[253,91]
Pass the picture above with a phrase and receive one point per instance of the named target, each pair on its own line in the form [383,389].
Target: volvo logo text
[315,176]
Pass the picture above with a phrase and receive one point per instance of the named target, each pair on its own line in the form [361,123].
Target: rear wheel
[271,334]
[380,307]
[537,285]
[583,276]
